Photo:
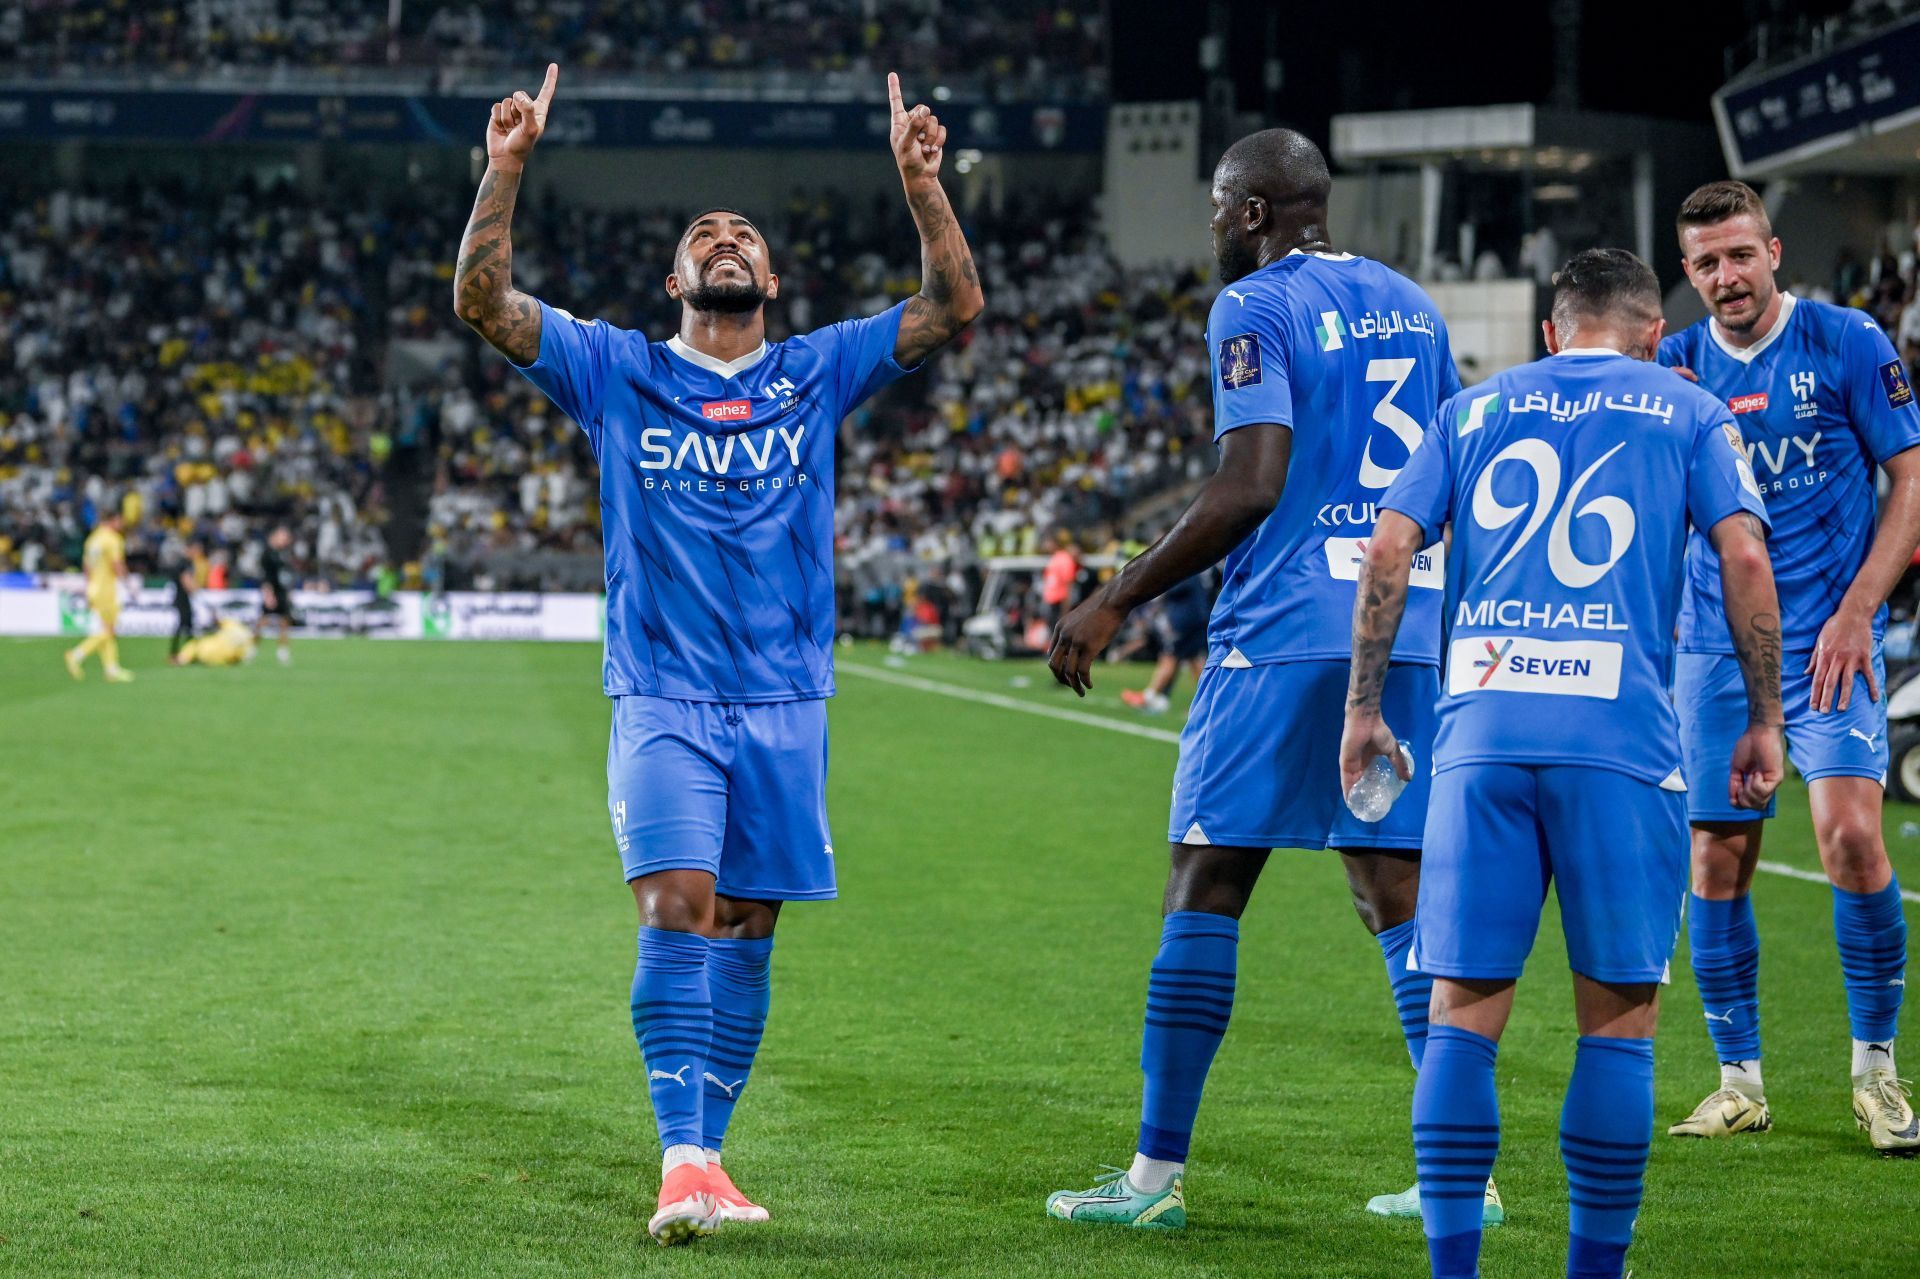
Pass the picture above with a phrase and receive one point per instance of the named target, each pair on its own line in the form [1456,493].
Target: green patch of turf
[323,971]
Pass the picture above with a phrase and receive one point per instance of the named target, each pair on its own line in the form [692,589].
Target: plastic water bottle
[1378,787]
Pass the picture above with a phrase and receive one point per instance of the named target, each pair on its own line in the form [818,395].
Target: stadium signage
[448,120]
[1822,103]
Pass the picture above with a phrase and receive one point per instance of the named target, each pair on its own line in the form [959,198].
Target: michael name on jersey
[1522,664]
[1527,615]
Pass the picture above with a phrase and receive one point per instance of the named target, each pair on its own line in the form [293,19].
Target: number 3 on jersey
[1390,415]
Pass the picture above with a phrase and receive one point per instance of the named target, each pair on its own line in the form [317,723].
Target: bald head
[1270,193]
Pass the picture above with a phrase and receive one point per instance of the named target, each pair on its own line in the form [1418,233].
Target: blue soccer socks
[1189,999]
[1411,990]
[1605,1127]
[1726,964]
[739,975]
[1456,1134]
[673,1022]
[1872,934]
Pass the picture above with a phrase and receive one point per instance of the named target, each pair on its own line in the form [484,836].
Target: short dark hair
[1717,201]
[1604,284]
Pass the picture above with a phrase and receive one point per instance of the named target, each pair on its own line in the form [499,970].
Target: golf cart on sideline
[1000,625]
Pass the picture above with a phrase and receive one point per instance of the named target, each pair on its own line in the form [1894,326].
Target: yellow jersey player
[105,561]
[229,644]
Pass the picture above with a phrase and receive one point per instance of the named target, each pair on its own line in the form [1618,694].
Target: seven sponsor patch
[1344,555]
[1522,664]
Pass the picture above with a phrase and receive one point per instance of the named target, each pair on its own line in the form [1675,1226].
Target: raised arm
[1379,602]
[949,295]
[483,292]
[1753,618]
[1242,493]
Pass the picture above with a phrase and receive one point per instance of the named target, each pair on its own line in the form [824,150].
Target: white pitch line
[966,694]
[1007,703]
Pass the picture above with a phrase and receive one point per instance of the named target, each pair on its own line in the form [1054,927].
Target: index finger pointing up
[553,78]
[893,96]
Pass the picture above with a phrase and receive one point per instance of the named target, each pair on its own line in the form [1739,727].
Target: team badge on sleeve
[1893,376]
[1239,361]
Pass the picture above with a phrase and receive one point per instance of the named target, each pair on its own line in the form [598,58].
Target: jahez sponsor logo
[727,410]
[1755,403]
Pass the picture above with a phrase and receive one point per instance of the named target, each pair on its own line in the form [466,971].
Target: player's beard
[1237,259]
[731,298]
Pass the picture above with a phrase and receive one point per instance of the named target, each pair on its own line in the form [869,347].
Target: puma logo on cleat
[1854,732]
[1726,1018]
[673,1075]
[726,1088]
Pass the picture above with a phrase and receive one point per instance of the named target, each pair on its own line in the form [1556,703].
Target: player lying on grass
[1570,485]
[1325,364]
[716,491]
[228,644]
[1823,404]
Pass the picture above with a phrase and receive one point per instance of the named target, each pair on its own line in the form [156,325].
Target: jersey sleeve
[1251,364]
[859,355]
[575,357]
[1423,491]
[1719,478]
[1879,395]
[1673,351]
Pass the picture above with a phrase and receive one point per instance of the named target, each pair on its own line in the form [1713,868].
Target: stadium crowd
[1014,45]
[220,363]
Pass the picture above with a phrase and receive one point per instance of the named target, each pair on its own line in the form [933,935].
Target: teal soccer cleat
[1115,1202]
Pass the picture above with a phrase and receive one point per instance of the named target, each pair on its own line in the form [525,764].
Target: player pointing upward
[716,491]
[1822,403]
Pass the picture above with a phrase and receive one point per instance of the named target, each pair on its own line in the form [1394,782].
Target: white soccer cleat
[1726,1113]
[1406,1204]
[1881,1108]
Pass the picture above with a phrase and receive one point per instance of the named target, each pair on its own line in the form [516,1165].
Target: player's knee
[740,919]
[1200,879]
[1853,850]
[671,904]
[1722,863]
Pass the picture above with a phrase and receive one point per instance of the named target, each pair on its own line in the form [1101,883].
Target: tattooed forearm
[949,296]
[483,292]
[1378,603]
[1753,612]
[1757,644]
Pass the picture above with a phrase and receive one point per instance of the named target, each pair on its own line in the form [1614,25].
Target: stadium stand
[1017,45]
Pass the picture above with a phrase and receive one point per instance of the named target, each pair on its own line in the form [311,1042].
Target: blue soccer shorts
[1711,700]
[737,791]
[1614,847]
[1260,758]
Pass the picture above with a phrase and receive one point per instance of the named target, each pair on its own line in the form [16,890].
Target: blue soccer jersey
[1352,357]
[1570,484]
[1820,402]
[716,499]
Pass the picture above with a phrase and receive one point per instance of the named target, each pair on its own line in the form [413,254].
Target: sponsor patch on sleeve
[1893,377]
[1239,361]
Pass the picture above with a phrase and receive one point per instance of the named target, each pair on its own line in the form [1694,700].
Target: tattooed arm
[1753,617]
[949,294]
[1379,601]
[483,292]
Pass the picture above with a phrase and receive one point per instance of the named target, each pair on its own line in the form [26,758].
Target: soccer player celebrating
[716,490]
[1312,350]
[1570,484]
[1821,400]
[104,557]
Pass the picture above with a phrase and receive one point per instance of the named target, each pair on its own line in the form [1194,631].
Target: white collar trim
[1749,354]
[1591,350]
[725,368]
[1324,257]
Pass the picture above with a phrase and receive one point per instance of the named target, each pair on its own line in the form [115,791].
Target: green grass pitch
[323,971]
